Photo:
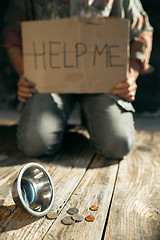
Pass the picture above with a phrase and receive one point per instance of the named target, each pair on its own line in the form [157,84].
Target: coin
[77,217]
[72,211]
[94,208]
[90,218]
[67,220]
[52,215]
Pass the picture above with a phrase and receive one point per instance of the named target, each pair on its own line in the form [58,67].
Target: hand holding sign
[127,89]
[25,89]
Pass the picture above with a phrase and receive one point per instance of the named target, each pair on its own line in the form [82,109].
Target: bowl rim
[32,212]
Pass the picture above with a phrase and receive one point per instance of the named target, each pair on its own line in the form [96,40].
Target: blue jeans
[44,119]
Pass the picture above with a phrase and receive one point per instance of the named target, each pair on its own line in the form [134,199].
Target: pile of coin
[74,215]
[91,218]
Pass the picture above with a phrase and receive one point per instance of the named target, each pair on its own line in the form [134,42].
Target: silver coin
[67,220]
[72,211]
[78,217]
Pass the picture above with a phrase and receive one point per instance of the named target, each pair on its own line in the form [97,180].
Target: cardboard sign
[73,56]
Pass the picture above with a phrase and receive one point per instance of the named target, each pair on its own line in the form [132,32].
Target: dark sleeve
[15,13]
[141,33]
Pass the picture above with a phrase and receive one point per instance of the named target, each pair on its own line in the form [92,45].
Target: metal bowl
[34,190]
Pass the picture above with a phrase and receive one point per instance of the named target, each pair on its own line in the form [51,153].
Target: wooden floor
[127,192]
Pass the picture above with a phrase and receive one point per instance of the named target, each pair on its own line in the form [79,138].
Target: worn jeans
[44,119]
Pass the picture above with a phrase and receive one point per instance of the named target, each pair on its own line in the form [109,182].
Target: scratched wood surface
[135,209]
[66,170]
[96,188]
[127,192]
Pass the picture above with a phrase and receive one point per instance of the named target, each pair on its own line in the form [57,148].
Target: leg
[111,128]
[43,122]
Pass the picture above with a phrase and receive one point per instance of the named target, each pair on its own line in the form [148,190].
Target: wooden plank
[12,160]
[135,209]
[96,187]
[156,141]
[10,164]
[66,171]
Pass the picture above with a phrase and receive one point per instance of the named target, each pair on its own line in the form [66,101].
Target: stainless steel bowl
[34,190]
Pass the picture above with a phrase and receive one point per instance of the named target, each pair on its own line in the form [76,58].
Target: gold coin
[72,211]
[52,215]
[78,217]
[67,220]
[90,218]
[94,208]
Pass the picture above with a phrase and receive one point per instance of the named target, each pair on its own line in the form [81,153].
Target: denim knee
[117,148]
[42,124]
[38,145]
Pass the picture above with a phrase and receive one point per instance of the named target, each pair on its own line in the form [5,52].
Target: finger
[24,95]
[126,89]
[21,99]
[132,88]
[25,83]
[26,90]
[126,94]
[130,80]
[121,85]
[130,96]
[120,91]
